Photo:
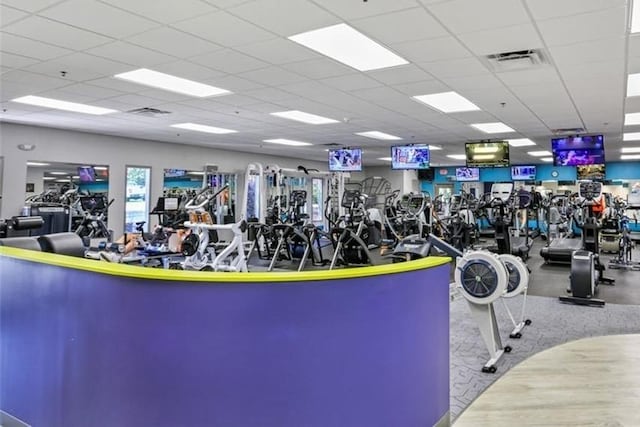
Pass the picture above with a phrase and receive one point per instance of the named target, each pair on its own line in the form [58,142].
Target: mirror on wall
[69,197]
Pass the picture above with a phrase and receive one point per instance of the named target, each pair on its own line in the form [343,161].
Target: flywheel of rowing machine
[481,276]
[518,274]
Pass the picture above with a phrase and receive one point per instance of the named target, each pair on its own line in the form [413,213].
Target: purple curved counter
[85,343]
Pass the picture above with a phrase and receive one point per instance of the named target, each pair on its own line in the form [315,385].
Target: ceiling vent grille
[567,131]
[517,60]
[149,112]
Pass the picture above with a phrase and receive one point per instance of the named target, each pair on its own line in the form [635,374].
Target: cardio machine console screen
[410,157]
[345,160]
[92,203]
[590,190]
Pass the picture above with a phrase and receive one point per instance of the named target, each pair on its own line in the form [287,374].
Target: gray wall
[55,145]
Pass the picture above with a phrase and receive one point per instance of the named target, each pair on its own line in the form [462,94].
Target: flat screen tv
[578,150]
[426,174]
[174,173]
[487,154]
[86,174]
[592,172]
[467,174]
[410,157]
[345,160]
[523,173]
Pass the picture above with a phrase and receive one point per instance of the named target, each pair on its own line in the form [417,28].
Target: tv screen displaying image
[86,174]
[174,173]
[345,160]
[467,174]
[487,154]
[578,150]
[592,172]
[523,173]
[410,157]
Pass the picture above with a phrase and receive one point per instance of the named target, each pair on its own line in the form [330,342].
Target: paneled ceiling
[243,46]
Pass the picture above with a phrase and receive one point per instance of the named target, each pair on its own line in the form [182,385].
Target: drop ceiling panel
[272,76]
[472,83]
[422,88]
[92,91]
[505,39]
[546,74]
[56,33]
[229,61]
[173,42]
[431,50]
[572,29]
[455,68]
[300,16]
[188,70]
[234,83]
[357,9]
[15,61]
[30,5]
[545,9]
[36,82]
[466,16]
[270,94]
[401,74]
[402,26]
[98,18]
[351,82]
[612,50]
[320,68]
[224,29]
[34,49]
[278,51]
[9,15]
[131,54]
[82,66]
[165,11]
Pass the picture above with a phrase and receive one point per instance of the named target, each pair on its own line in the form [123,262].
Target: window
[136,208]
[317,199]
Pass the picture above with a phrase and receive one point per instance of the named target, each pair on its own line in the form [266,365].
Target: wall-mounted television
[426,174]
[523,173]
[86,174]
[345,160]
[174,173]
[467,174]
[410,157]
[578,150]
[592,172]
[487,154]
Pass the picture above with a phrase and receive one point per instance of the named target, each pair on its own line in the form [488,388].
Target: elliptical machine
[586,269]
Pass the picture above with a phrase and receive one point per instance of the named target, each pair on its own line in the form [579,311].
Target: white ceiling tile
[165,11]
[30,5]
[398,75]
[224,29]
[131,54]
[33,49]
[91,91]
[229,61]
[422,88]
[15,61]
[376,94]
[455,68]
[402,26]
[36,82]
[351,82]
[223,4]
[9,15]
[467,16]
[524,77]
[272,76]
[300,16]
[431,50]
[319,68]
[236,100]
[234,83]
[487,82]
[610,49]
[278,51]
[56,33]
[545,9]
[356,9]
[173,42]
[571,29]
[270,94]
[505,39]
[633,65]
[98,18]
[188,70]
[81,66]
[163,95]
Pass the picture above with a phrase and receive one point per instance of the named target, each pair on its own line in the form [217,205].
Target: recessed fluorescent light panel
[287,142]
[58,173]
[301,116]
[349,46]
[435,147]
[457,156]
[379,135]
[203,128]
[539,153]
[631,119]
[630,157]
[63,105]
[100,168]
[171,83]
[633,85]
[521,142]
[447,102]
[631,136]
[496,127]
[635,16]
[37,164]
[386,159]
[547,159]
[628,150]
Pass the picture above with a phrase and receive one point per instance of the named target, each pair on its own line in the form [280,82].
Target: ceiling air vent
[517,60]
[149,112]
[568,131]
